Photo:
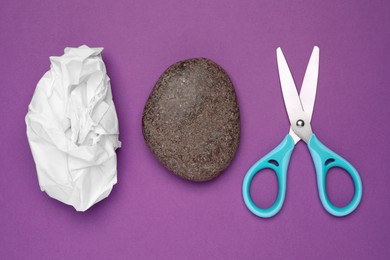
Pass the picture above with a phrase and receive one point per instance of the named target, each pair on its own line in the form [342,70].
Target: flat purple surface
[152,214]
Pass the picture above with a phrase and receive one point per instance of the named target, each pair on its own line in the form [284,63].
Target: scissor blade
[309,85]
[290,94]
[294,136]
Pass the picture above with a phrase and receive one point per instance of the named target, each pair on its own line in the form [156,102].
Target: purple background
[152,214]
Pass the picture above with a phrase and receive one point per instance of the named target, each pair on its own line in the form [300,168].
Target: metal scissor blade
[290,94]
[294,136]
[309,85]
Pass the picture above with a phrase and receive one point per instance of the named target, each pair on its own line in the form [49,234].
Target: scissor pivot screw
[300,123]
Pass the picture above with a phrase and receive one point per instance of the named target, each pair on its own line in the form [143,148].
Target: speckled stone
[191,121]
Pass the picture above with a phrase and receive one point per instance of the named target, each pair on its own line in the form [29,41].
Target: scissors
[300,110]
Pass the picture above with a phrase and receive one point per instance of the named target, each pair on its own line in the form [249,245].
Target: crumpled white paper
[72,129]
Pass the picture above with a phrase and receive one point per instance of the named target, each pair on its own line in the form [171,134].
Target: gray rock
[191,121]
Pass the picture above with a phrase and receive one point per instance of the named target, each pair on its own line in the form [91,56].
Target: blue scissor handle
[277,160]
[325,159]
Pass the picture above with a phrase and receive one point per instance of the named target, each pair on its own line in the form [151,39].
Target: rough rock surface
[191,121]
